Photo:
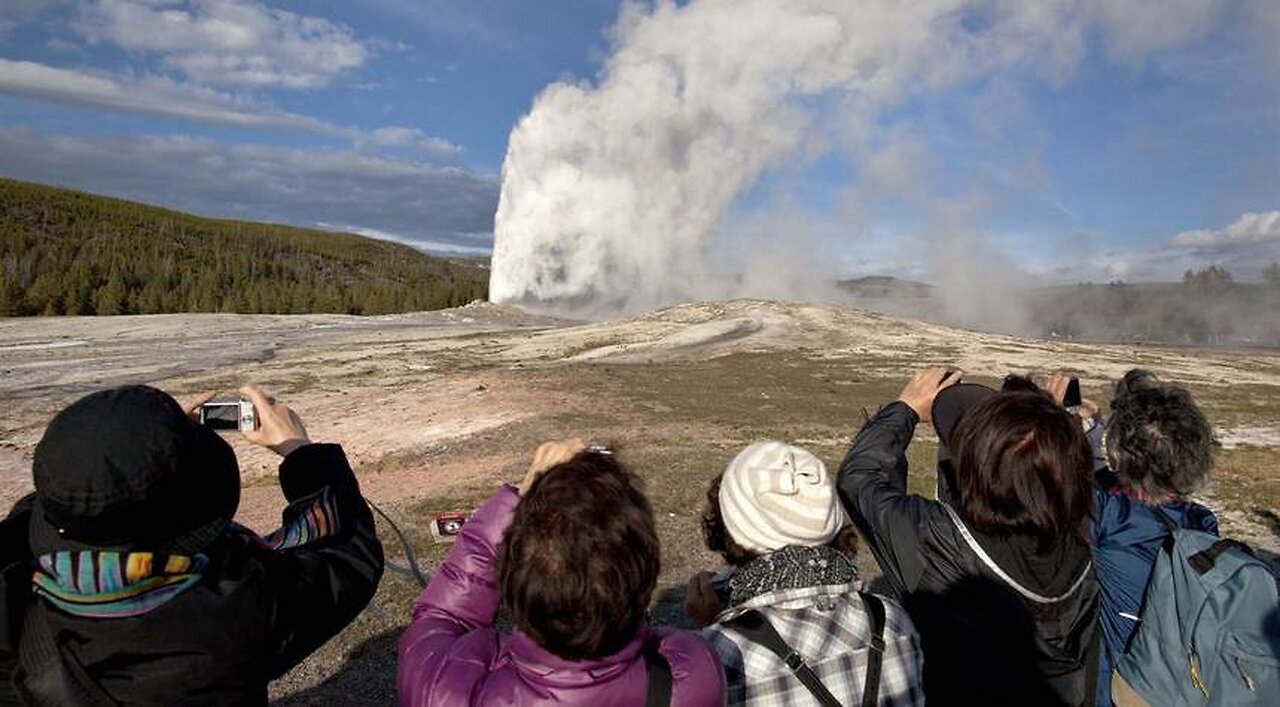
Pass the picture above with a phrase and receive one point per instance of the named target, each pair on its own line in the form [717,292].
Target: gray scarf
[792,567]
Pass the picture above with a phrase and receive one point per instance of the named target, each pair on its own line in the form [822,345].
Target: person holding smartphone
[999,582]
[125,579]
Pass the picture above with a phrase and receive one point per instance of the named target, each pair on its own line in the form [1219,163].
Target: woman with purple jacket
[573,554]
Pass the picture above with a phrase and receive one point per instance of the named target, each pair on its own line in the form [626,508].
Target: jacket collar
[539,665]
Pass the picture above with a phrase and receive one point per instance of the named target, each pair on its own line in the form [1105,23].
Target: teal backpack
[1210,628]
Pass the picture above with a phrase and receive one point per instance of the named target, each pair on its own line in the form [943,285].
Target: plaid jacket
[830,629]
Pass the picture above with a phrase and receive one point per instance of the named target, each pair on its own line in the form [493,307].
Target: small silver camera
[228,415]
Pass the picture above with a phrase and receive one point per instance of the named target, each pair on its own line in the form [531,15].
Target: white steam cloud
[616,192]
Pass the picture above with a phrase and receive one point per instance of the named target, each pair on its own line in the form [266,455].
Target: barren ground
[435,409]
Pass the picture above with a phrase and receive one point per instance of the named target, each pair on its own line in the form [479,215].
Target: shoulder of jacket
[686,647]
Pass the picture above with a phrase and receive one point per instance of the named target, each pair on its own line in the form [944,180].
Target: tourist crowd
[1060,561]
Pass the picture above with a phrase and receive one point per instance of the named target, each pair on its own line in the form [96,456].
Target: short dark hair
[1022,467]
[717,537]
[1157,439]
[1014,383]
[580,560]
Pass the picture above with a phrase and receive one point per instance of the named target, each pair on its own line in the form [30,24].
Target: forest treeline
[68,252]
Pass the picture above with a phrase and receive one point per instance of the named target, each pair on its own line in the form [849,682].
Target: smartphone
[1072,398]
[228,415]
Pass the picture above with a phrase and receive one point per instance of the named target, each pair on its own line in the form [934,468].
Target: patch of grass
[1239,405]
[1245,478]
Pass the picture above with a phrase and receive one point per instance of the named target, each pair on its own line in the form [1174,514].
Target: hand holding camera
[923,388]
[549,455]
[278,428]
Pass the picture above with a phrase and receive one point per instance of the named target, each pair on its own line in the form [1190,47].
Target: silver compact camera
[228,415]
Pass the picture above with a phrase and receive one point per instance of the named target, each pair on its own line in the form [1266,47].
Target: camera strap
[410,568]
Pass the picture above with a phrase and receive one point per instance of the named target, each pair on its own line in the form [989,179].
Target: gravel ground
[436,409]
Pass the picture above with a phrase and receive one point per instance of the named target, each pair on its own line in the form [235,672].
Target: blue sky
[391,118]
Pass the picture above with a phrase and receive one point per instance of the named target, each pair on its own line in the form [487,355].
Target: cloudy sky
[1138,158]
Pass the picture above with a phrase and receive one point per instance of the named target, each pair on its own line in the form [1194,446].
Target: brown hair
[717,537]
[1023,467]
[580,560]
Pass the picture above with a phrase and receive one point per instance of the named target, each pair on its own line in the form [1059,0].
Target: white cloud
[158,95]
[433,247]
[228,42]
[1244,247]
[149,95]
[1250,228]
[418,201]
[399,136]
[1137,29]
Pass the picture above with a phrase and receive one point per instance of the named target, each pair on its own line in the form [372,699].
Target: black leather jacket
[985,642]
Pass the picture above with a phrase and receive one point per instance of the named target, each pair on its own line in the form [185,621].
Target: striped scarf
[109,584]
[103,584]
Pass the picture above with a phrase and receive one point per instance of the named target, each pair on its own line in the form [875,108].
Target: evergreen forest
[68,252]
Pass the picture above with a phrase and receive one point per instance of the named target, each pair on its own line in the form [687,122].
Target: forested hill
[68,252]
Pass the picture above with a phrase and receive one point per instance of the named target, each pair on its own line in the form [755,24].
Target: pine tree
[110,299]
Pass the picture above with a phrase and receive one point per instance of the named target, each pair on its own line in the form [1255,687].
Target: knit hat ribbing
[774,494]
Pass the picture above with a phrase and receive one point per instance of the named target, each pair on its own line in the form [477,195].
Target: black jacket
[255,613]
[984,643]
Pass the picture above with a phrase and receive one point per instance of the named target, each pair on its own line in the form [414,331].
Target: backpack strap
[1204,560]
[756,628]
[875,652]
[659,694]
[1164,518]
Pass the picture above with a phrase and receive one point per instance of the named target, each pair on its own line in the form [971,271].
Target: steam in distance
[619,193]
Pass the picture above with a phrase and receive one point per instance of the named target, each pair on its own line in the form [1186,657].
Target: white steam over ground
[618,193]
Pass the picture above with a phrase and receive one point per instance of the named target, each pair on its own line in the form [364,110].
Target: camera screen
[221,416]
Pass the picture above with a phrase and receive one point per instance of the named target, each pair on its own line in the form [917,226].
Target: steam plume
[615,191]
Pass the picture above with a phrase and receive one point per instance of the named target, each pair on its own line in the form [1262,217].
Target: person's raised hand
[923,388]
[279,428]
[191,405]
[549,454]
[1090,410]
[701,604]
[1056,388]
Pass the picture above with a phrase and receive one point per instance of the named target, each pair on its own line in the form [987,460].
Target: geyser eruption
[615,191]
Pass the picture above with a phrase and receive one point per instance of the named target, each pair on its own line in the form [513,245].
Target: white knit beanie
[774,494]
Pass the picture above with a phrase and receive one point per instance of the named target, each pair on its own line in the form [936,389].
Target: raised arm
[873,481]
[464,595]
[325,562]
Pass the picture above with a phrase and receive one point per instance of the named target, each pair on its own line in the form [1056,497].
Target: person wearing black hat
[125,580]
[996,575]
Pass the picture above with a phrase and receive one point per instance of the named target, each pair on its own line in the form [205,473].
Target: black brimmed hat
[950,406]
[126,469]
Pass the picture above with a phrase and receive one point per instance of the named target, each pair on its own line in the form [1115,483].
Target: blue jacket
[1126,539]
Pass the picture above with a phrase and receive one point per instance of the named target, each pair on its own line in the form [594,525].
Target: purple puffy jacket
[452,655]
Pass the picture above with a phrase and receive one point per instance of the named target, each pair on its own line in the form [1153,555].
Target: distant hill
[885,286]
[68,252]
